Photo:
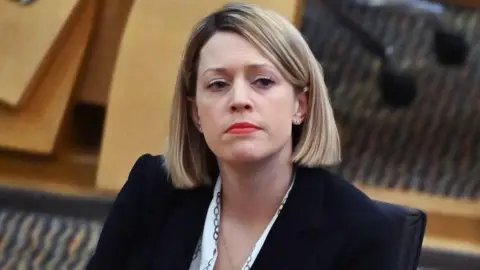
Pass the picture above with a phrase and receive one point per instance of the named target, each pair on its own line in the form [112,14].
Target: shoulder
[351,209]
[148,179]
[146,190]
[137,207]
[149,171]
[341,198]
[367,228]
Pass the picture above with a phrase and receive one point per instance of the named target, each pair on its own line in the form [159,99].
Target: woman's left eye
[264,82]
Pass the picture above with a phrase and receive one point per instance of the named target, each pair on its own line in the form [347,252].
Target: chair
[398,89]
[412,224]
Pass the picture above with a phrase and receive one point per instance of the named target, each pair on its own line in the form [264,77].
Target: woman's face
[243,105]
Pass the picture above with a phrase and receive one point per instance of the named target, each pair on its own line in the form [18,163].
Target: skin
[236,83]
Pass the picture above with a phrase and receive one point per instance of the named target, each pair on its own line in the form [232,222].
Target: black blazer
[326,224]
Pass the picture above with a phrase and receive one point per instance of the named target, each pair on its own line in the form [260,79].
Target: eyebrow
[249,66]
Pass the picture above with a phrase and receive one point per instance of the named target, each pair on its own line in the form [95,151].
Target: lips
[242,128]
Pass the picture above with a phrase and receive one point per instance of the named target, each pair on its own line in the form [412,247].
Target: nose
[240,98]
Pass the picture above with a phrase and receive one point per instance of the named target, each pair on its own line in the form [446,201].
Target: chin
[246,153]
[243,157]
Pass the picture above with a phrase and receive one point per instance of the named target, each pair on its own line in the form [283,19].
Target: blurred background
[85,89]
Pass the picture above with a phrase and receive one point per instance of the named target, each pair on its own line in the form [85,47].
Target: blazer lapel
[183,229]
[293,241]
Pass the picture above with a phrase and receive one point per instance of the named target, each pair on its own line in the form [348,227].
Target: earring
[297,120]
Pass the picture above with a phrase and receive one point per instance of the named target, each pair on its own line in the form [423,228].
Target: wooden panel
[452,245]
[143,82]
[69,173]
[435,204]
[71,170]
[35,127]
[102,52]
[27,35]
[443,214]
[467,230]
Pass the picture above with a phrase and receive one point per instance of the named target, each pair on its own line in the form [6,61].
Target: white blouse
[205,254]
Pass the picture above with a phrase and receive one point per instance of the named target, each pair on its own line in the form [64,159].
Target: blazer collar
[292,238]
[182,228]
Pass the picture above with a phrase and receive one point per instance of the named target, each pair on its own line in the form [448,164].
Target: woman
[241,184]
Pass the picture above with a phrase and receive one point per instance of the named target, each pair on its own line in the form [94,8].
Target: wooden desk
[27,36]
[35,126]
[144,79]
[94,86]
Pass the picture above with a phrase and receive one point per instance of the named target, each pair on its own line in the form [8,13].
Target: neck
[251,194]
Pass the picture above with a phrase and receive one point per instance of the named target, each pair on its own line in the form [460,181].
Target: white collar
[206,253]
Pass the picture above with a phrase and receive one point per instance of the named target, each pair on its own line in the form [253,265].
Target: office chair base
[450,48]
[398,89]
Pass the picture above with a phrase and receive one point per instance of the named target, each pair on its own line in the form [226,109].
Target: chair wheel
[450,48]
[398,89]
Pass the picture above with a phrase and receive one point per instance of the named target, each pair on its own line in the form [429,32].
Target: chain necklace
[215,217]
[230,260]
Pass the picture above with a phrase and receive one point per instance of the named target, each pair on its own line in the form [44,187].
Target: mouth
[242,128]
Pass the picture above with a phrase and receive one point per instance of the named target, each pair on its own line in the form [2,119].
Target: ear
[194,112]
[301,106]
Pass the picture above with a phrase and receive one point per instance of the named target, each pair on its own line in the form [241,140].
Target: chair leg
[397,89]
[450,47]
[368,41]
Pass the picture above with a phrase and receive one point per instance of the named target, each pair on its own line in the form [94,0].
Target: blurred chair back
[412,224]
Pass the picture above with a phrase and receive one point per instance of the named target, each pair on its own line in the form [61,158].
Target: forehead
[230,50]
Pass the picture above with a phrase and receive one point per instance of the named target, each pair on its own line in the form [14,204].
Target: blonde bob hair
[188,159]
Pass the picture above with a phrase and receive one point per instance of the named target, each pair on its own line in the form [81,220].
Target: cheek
[280,116]
[280,109]
[203,104]
[209,116]
[281,122]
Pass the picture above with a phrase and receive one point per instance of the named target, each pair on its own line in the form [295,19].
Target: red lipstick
[242,128]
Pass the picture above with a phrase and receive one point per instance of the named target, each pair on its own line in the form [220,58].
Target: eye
[217,85]
[264,82]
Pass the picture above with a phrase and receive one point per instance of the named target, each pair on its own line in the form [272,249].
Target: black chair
[398,88]
[411,224]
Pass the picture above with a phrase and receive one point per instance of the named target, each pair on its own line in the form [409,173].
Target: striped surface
[45,242]
[34,241]
[433,146]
